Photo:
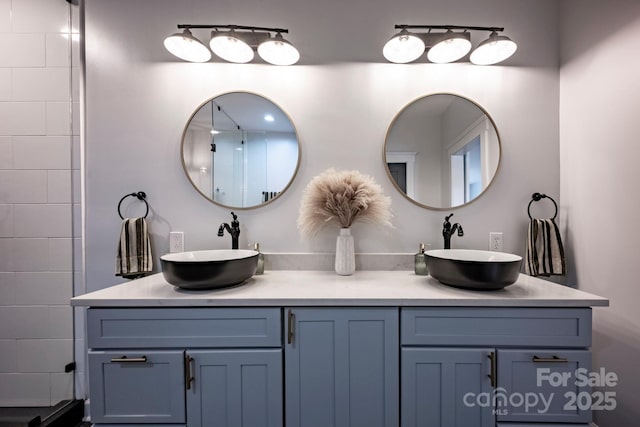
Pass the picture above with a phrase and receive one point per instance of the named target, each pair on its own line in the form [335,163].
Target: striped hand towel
[544,254]
[134,257]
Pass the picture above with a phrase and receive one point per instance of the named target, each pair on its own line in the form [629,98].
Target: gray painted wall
[599,93]
[342,97]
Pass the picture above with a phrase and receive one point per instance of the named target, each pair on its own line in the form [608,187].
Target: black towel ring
[536,197]
[140,195]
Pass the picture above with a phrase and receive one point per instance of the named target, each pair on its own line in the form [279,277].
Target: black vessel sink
[210,269]
[473,269]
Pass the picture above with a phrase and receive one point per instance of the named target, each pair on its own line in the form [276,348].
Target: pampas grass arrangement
[342,198]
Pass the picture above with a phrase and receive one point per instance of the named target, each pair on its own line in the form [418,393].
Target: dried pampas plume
[342,198]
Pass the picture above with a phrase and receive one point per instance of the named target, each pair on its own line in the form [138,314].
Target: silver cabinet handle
[291,320]
[493,375]
[125,359]
[553,359]
[188,378]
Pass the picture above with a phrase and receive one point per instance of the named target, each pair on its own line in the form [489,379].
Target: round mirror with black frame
[442,151]
[240,150]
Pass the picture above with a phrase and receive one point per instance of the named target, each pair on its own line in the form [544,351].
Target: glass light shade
[230,48]
[403,47]
[278,51]
[493,50]
[185,46]
[453,47]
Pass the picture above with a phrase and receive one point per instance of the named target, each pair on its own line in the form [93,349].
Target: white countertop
[325,288]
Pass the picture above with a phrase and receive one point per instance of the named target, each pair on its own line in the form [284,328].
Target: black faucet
[448,230]
[234,230]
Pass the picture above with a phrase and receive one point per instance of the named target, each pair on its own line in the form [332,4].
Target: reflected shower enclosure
[240,150]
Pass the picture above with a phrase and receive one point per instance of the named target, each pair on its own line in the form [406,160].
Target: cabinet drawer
[183,327]
[547,381]
[134,388]
[511,327]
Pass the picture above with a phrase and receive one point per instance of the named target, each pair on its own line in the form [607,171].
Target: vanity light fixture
[495,49]
[452,47]
[278,51]
[230,47]
[185,46]
[233,43]
[403,47]
[447,43]
[268,118]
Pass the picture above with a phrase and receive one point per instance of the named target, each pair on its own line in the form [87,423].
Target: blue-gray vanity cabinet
[450,380]
[440,386]
[549,382]
[194,327]
[341,367]
[235,388]
[141,386]
[178,367]
[496,326]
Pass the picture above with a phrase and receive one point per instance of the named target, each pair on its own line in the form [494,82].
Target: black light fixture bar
[232,27]
[447,27]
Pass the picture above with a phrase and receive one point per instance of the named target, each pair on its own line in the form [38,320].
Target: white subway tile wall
[5,84]
[60,386]
[37,288]
[25,389]
[5,16]
[42,220]
[6,151]
[22,50]
[39,67]
[23,118]
[7,288]
[6,221]
[42,152]
[39,16]
[40,84]
[60,254]
[8,356]
[57,51]
[59,186]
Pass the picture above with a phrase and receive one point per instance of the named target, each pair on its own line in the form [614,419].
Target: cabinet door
[135,388]
[341,367]
[540,386]
[235,388]
[446,387]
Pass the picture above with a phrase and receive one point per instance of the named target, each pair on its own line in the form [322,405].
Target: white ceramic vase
[345,254]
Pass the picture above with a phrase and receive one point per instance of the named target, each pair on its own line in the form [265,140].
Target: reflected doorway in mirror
[456,151]
[401,166]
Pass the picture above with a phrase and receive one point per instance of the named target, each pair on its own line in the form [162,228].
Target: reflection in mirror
[240,150]
[442,151]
